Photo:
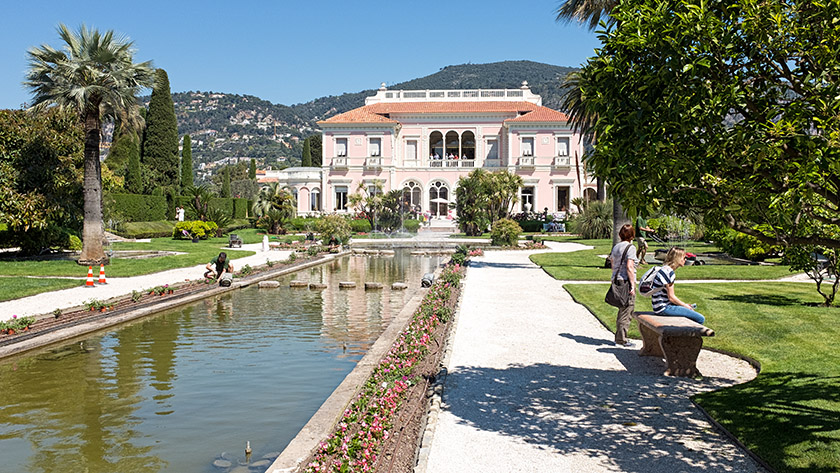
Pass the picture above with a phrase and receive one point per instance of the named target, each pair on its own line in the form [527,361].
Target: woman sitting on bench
[665,302]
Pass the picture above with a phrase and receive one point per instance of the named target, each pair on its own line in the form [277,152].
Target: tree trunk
[602,190]
[619,219]
[93,232]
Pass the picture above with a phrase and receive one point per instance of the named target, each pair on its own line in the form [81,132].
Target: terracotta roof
[268,180]
[542,114]
[357,115]
[375,113]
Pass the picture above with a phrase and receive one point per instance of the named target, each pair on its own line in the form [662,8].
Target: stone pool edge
[67,334]
[322,423]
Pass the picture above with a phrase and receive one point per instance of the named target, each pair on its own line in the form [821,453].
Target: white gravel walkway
[66,298]
[535,384]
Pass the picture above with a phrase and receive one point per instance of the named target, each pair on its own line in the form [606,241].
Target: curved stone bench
[677,339]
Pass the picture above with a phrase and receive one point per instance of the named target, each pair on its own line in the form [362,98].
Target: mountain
[229,125]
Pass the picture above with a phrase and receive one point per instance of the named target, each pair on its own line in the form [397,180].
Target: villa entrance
[438,199]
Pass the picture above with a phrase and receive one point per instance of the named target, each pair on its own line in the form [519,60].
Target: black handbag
[619,293]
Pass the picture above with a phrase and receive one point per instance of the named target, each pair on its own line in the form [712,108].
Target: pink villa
[423,141]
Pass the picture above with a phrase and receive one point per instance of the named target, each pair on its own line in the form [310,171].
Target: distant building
[423,141]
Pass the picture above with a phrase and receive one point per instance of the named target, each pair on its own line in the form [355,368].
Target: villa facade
[423,141]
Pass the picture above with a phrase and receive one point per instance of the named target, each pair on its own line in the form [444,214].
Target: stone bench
[677,339]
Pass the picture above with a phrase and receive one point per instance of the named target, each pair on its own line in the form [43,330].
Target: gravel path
[535,384]
[66,298]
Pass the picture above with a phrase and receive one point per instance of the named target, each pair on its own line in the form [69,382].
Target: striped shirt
[664,276]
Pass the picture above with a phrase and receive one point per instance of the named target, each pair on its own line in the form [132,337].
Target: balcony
[526,162]
[562,162]
[339,162]
[492,163]
[452,163]
[373,162]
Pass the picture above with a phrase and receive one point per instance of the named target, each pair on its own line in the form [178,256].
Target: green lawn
[588,265]
[790,414]
[17,287]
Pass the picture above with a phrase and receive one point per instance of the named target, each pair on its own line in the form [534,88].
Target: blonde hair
[674,254]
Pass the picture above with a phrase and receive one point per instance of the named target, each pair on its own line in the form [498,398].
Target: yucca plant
[595,221]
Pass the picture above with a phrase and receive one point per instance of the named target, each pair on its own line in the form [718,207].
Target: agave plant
[596,220]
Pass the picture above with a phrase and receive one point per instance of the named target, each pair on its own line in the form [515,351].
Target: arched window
[438,199]
[453,144]
[468,145]
[315,200]
[411,196]
[436,144]
[590,194]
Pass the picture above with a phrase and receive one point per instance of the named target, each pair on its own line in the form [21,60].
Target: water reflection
[176,391]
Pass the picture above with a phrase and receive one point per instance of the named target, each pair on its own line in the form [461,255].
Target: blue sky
[291,51]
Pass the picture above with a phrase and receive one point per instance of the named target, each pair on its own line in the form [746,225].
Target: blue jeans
[680,311]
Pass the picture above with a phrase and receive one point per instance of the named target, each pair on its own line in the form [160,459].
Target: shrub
[505,232]
[301,224]
[595,221]
[195,229]
[334,227]
[411,225]
[75,243]
[313,250]
[360,225]
[740,245]
[136,207]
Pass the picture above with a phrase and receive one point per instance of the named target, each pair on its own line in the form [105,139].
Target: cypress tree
[226,183]
[252,171]
[133,174]
[316,150]
[160,148]
[186,163]
[306,158]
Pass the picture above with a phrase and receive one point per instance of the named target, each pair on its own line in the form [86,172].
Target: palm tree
[585,11]
[574,101]
[94,76]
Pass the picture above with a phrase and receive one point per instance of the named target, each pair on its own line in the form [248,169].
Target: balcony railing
[562,162]
[452,163]
[373,162]
[526,161]
[339,163]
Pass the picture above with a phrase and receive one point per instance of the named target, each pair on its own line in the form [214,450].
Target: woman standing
[664,301]
[623,263]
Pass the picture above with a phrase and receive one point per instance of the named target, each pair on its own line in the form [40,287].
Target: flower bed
[367,423]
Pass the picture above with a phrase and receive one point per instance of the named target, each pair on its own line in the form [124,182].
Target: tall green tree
[316,150]
[252,169]
[95,76]
[134,171]
[160,145]
[574,102]
[186,163]
[225,192]
[306,156]
[41,161]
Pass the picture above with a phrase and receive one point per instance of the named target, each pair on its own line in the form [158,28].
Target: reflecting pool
[190,386]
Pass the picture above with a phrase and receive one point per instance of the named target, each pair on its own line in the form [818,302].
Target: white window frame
[565,141]
[339,141]
[377,142]
[337,190]
[523,141]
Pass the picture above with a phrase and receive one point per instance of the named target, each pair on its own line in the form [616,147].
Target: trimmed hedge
[240,208]
[360,225]
[137,207]
[411,225]
[163,228]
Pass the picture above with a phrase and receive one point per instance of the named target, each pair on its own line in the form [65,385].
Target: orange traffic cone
[89,282]
[102,274]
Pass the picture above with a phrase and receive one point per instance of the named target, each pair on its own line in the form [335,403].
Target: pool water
[190,386]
